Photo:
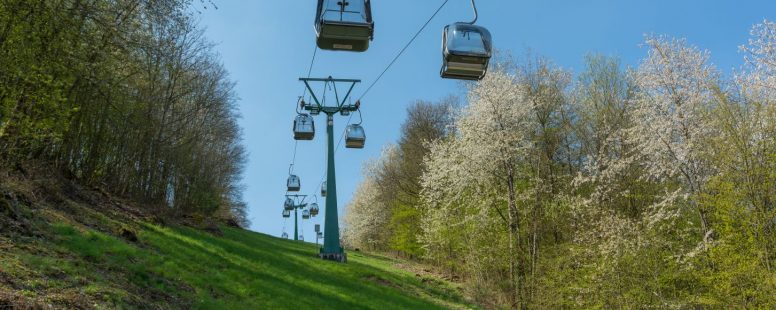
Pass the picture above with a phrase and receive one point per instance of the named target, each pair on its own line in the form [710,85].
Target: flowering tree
[466,171]
[603,107]
[497,169]
[648,187]
[675,92]
[367,215]
[761,62]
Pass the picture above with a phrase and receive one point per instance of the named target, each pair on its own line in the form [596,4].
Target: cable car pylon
[292,204]
[332,249]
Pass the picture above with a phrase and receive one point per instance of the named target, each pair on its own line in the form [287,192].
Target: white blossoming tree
[760,79]
[467,173]
[675,87]
[495,171]
[367,215]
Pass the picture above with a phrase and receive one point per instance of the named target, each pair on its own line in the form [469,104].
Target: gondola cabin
[284,236]
[306,214]
[286,213]
[355,137]
[293,183]
[466,52]
[304,127]
[289,204]
[323,189]
[314,209]
[344,25]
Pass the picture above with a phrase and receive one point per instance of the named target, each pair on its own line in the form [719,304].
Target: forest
[615,186]
[127,96]
[651,186]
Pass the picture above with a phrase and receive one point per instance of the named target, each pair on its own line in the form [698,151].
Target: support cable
[310,70]
[301,98]
[405,48]
[388,67]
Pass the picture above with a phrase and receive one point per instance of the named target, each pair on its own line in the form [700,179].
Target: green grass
[181,267]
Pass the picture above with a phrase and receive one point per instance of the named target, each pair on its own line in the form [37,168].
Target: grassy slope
[81,261]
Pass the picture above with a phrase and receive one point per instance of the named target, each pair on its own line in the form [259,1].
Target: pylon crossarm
[329,79]
[340,103]
[348,94]
[309,89]
[336,95]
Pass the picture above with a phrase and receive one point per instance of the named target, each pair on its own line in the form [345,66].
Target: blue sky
[267,45]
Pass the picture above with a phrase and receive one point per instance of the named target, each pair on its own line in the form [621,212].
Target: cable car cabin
[289,205]
[344,25]
[304,127]
[293,183]
[323,189]
[355,137]
[314,209]
[466,51]
[286,213]
[306,214]
[284,236]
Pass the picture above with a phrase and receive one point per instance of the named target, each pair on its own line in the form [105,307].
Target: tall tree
[126,95]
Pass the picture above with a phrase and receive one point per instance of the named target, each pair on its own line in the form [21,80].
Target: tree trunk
[514,242]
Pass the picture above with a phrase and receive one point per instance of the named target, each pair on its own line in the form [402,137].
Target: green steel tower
[331,250]
[297,206]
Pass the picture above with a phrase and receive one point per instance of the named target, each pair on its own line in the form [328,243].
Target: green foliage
[124,94]
[647,188]
[738,274]
[406,229]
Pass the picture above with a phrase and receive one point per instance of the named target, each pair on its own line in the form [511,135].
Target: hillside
[72,247]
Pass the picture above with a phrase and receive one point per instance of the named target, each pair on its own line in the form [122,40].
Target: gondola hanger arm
[476,15]
[360,118]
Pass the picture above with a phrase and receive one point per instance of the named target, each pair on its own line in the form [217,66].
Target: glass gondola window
[304,127]
[293,183]
[352,11]
[355,138]
[469,39]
